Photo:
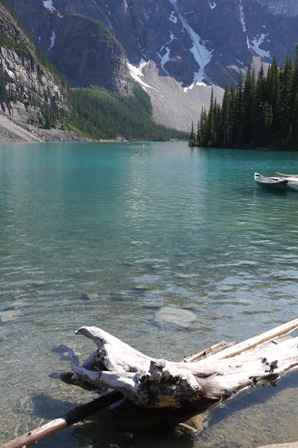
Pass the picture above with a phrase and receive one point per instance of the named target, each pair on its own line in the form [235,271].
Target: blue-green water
[168,248]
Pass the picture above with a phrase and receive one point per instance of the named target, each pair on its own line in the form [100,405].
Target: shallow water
[170,249]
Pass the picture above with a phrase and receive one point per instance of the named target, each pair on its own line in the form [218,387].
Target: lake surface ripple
[169,249]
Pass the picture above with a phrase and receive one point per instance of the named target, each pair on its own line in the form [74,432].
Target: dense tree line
[260,111]
[100,114]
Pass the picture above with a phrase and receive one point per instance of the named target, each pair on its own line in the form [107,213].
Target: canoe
[291,178]
[293,185]
[272,183]
[285,176]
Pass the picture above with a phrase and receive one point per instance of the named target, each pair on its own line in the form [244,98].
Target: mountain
[286,7]
[176,49]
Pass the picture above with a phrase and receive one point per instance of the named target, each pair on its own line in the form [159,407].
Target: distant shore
[13,132]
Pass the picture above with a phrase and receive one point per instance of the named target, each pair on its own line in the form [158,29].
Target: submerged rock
[89,296]
[10,314]
[176,316]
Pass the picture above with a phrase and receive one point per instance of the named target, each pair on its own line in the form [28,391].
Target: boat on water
[292,180]
[293,185]
[286,176]
[272,183]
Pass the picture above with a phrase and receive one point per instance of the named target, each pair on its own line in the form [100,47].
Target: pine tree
[192,139]
[202,125]
[260,112]
[260,98]
[285,107]
[224,132]
[249,108]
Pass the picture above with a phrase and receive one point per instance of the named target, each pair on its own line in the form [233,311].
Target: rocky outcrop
[87,53]
[26,87]
[76,36]
[25,83]
[15,130]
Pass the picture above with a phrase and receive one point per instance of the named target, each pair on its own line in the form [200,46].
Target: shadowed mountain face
[189,40]
[82,47]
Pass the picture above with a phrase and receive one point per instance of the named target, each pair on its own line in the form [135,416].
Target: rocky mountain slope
[27,87]
[189,40]
[285,7]
[184,45]
[84,49]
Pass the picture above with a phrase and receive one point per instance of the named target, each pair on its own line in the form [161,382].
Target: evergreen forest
[99,114]
[260,111]
[102,115]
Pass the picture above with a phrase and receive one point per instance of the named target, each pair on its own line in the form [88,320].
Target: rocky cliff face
[25,83]
[87,53]
[189,40]
[74,36]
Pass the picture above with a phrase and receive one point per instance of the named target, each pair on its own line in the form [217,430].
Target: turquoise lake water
[170,249]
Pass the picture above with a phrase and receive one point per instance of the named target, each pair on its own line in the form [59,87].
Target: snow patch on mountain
[172,17]
[137,73]
[48,4]
[201,54]
[164,53]
[255,43]
[52,39]
[242,17]
[108,9]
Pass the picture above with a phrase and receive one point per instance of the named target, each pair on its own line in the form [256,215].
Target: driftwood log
[213,375]
[210,376]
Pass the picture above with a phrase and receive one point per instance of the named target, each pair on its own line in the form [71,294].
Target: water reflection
[162,246]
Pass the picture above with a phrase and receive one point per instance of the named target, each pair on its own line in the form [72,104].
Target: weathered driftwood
[76,415]
[211,375]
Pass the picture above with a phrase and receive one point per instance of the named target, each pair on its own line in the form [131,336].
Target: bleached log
[210,375]
[208,352]
[257,340]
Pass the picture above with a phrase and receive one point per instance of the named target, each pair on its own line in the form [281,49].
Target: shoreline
[12,131]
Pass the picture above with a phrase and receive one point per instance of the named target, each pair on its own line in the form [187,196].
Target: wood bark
[212,375]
